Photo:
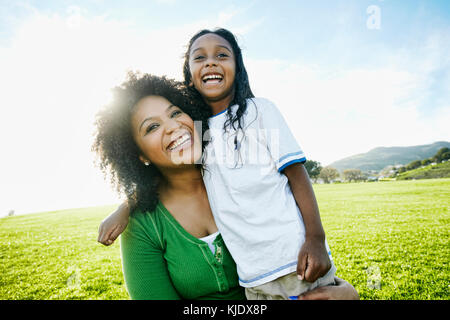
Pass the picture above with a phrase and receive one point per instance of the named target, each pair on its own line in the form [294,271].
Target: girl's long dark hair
[242,90]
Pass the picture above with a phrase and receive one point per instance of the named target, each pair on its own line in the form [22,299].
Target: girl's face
[164,133]
[213,68]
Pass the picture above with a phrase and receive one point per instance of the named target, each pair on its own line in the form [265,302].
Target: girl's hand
[113,225]
[313,260]
[341,291]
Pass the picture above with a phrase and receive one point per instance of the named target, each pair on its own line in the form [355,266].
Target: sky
[348,76]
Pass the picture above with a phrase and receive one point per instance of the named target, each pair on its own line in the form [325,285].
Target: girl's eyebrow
[150,118]
[219,45]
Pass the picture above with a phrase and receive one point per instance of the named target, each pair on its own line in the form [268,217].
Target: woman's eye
[175,113]
[151,127]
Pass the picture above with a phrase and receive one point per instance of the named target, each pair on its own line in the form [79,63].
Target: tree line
[329,174]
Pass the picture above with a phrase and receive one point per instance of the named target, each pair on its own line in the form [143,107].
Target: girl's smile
[213,70]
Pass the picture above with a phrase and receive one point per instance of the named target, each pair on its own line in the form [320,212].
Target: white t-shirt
[209,239]
[251,200]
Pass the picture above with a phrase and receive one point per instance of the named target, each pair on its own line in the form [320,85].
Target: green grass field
[389,239]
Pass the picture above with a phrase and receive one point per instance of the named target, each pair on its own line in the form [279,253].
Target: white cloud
[337,113]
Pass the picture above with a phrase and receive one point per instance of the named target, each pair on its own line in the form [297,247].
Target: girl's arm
[313,260]
[114,224]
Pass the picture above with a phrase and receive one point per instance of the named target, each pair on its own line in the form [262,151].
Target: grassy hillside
[389,239]
[378,158]
[440,170]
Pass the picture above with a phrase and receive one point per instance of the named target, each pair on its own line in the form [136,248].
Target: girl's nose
[210,61]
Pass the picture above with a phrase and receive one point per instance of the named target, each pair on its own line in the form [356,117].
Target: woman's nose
[172,125]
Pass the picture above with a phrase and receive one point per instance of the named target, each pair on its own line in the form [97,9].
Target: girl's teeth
[212,77]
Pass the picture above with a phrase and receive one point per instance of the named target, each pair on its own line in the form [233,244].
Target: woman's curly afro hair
[118,154]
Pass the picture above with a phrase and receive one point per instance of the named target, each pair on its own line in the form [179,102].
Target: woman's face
[213,68]
[164,133]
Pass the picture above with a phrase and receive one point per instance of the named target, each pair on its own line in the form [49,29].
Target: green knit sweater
[161,260]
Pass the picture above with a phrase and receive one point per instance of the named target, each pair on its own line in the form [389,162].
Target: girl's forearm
[306,200]
[126,207]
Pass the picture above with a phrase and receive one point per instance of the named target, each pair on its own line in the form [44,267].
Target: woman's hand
[113,225]
[341,291]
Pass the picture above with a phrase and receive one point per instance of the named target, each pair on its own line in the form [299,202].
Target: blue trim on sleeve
[289,155]
[302,160]
[269,273]
[273,271]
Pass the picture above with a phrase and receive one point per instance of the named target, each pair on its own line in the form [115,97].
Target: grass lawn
[389,239]
[54,255]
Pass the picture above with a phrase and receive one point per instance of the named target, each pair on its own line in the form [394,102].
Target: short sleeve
[281,143]
[144,267]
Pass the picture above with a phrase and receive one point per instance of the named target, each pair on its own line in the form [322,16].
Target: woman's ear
[144,160]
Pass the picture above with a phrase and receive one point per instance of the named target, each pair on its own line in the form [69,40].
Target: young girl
[259,191]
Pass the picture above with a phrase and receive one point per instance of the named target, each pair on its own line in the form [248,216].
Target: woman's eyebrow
[169,107]
[150,118]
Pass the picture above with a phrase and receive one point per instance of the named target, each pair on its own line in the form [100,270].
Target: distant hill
[378,158]
[440,170]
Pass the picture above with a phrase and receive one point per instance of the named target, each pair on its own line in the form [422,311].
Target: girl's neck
[217,106]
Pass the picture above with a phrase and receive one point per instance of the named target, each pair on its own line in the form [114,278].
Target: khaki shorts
[288,285]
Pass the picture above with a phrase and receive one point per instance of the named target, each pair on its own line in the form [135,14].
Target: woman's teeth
[181,140]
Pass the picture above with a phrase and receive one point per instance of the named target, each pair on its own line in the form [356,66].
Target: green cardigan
[162,261]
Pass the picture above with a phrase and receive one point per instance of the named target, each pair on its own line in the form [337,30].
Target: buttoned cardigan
[162,261]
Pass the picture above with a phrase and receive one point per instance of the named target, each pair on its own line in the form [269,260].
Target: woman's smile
[164,133]
[182,142]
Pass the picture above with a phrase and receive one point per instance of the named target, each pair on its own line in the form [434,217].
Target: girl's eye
[222,55]
[151,127]
[199,57]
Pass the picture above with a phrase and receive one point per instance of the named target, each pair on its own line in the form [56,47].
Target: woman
[171,248]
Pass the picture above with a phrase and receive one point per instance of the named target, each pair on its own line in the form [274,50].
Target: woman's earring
[147,163]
